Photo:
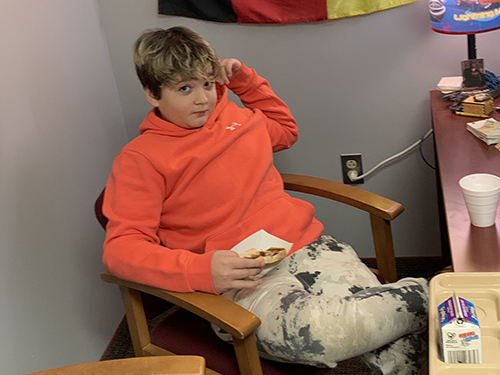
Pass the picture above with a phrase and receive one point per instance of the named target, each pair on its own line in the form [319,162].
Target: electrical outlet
[351,163]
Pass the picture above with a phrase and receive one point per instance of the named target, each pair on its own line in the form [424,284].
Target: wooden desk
[460,153]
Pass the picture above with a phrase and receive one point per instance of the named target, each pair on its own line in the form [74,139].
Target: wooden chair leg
[136,320]
[247,356]
[384,248]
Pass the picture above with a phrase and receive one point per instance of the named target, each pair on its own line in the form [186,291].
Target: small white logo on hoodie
[233,126]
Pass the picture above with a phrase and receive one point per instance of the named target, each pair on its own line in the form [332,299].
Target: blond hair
[165,57]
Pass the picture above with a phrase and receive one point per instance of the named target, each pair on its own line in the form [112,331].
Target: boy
[200,178]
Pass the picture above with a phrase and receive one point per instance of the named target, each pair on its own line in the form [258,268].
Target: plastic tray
[482,289]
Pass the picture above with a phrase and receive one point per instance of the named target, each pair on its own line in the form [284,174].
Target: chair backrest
[103,220]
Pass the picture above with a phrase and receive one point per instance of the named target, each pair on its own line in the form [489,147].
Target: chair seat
[182,332]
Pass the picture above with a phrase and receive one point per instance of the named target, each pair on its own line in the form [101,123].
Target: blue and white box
[460,331]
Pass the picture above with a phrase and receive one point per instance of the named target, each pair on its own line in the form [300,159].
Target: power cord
[353,174]
[422,154]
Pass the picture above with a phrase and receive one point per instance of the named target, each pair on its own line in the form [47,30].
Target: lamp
[468,17]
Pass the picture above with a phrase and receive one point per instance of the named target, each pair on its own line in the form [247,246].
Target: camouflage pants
[322,305]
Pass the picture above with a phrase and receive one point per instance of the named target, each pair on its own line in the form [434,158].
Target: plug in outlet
[351,165]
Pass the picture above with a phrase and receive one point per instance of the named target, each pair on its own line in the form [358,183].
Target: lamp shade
[464,16]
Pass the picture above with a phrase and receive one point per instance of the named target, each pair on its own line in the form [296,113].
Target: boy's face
[186,104]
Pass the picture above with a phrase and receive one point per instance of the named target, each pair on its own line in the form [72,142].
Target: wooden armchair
[169,336]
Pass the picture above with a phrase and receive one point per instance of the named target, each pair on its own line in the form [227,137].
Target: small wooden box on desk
[459,153]
[477,108]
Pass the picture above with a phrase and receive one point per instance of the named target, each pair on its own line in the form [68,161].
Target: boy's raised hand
[229,67]
[229,271]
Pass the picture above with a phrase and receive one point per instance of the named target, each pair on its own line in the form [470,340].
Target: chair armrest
[216,309]
[348,194]
[178,365]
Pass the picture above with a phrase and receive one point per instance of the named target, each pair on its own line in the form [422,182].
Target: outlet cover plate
[351,162]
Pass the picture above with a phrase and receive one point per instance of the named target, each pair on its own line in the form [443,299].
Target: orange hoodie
[175,195]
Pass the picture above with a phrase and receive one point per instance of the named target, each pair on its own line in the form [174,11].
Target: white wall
[358,84]
[61,126]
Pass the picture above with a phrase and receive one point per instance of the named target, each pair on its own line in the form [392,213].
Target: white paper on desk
[262,240]
[450,84]
[490,134]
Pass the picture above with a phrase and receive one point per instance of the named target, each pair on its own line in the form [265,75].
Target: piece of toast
[270,255]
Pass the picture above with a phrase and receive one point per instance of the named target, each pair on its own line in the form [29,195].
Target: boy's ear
[151,98]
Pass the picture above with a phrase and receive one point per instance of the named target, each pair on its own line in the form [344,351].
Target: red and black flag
[273,11]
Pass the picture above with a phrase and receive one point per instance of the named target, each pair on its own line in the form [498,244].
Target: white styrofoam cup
[481,192]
